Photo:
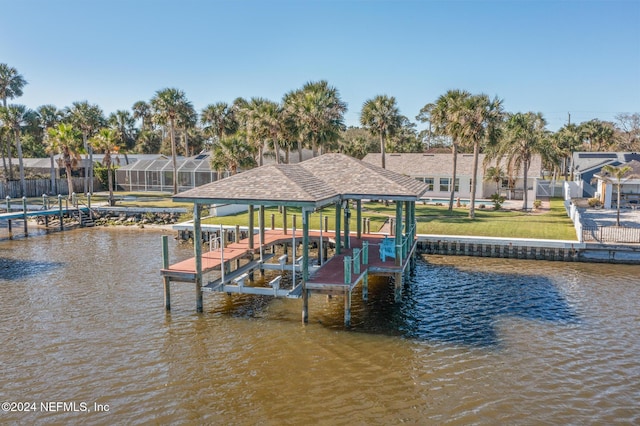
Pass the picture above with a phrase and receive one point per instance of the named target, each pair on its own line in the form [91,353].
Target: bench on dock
[387,248]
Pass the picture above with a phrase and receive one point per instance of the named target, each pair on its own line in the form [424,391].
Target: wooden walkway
[30,213]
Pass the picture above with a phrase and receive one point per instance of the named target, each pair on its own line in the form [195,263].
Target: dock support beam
[359,218]
[347,308]
[305,265]
[398,233]
[261,240]
[197,248]
[337,236]
[166,280]
[9,221]
[398,287]
[24,209]
[284,220]
[60,209]
[347,231]
[250,235]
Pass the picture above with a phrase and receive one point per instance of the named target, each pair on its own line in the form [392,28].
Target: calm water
[475,341]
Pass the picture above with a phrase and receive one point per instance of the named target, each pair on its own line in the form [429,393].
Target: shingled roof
[314,183]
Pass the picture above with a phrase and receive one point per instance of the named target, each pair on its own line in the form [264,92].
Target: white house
[607,187]
[435,170]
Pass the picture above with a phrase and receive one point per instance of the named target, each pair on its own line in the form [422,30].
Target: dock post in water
[359,218]
[60,209]
[197,248]
[9,221]
[347,293]
[347,308]
[305,265]
[166,280]
[347,217]
[337,233]
[250,235]
[24,209]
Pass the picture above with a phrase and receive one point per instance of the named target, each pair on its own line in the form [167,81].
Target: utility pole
[569,118]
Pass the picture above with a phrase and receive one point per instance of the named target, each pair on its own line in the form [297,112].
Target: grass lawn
[547,224]
[377,220]
[552,224]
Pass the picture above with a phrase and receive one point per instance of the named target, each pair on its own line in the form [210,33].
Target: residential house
[607,187]
[435,170]
[585,165]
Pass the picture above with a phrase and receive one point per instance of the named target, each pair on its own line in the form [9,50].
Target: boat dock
[338,275]
[329,185]
[25,212]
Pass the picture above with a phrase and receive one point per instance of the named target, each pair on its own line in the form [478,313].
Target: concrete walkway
[607,217]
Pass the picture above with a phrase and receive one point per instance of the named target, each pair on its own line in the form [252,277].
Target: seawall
[535,249]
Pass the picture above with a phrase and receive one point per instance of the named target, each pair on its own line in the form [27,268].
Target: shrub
[537,204]
[594,202]
[497,200]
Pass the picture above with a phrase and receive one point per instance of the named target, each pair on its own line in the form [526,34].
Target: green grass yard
[552,223]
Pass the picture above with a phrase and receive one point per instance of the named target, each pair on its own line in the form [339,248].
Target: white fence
[596,233]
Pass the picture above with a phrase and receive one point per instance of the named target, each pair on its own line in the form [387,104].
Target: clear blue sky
[555,57]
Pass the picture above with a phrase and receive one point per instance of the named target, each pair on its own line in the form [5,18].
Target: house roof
[428,165]
[583,162]
[634,172]
[313,183]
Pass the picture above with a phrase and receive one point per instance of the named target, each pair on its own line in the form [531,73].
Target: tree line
[239,135]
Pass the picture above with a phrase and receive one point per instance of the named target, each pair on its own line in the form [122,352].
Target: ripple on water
[479,341]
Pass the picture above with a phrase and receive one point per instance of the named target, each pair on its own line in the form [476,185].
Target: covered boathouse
[330,181]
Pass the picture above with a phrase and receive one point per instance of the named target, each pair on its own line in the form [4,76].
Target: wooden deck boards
[330,273]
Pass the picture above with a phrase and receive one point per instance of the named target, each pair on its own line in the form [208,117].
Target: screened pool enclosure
[157,174]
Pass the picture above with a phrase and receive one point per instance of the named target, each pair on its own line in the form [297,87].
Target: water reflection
[448,304]
[15,269]
[445,303]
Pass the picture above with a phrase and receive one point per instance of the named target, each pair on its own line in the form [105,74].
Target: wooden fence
[610,234]
[37,187]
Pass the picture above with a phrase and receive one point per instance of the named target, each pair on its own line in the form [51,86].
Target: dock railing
[352,264]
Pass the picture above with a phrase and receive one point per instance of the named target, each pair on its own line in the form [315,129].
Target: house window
[429,182]
[444,184]
[457,186]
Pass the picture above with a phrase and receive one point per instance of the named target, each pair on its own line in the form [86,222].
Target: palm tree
[445,118]
[142,111]
[381,117]
[148,142]
[617,175]
[11,84]
[231,153]
[186,121]
[495,174]
[597,133]
[218,120]
[167,105]
[567,140]
[14,118]
[88,118]
[50,116]
[318,112]
[255,129]
[123,122]
[525,136]
[64,139]
[106,141]
[270,119]
[480,124]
